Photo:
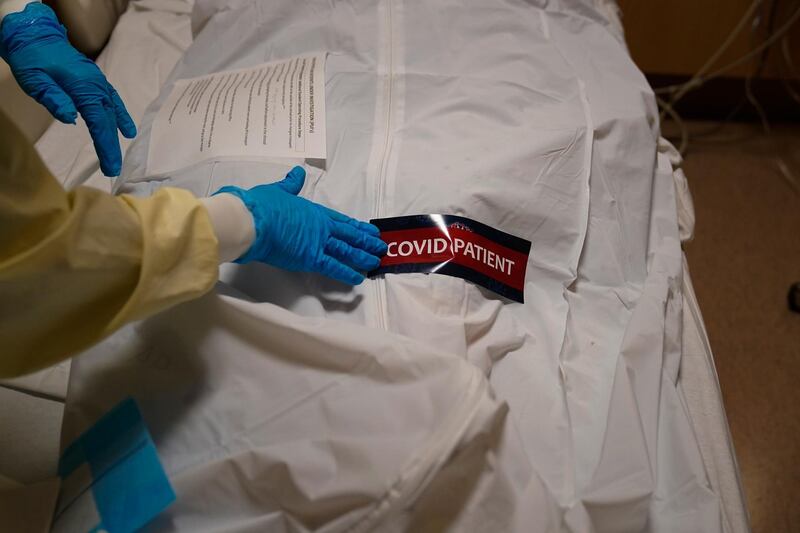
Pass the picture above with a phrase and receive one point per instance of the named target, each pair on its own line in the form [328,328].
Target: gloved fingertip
[110,163]
[376,246]
[110,172]
[371,229]
[294,180]
[128,129]
[334,269]
[124,121]
[67,118]
[110,169]
[374,264]
[65,113]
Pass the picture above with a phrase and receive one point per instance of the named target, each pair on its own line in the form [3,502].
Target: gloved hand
[296,234]
[65,81]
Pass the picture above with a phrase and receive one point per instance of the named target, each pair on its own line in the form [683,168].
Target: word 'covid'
[439,245]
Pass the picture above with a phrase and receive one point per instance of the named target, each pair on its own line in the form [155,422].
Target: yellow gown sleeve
[76,266]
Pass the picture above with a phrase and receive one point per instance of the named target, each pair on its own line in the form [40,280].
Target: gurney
[559,144]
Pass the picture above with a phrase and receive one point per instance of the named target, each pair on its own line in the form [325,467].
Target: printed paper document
[275,109]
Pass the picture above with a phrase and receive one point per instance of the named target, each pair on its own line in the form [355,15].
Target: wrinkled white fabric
[289,402]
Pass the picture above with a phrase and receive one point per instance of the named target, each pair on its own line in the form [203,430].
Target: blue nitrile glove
[63,80]
[296,234]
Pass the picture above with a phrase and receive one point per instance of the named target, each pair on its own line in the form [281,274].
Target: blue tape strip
[129,484]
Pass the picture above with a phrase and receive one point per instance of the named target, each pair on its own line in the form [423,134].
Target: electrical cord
[780,32]
[740,105]
[787,58]
[762,62]
[722,123]
[762,115]
[679,121]
[698,79]
[678,91]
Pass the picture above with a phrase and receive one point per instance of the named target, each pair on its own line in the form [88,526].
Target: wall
[675,37]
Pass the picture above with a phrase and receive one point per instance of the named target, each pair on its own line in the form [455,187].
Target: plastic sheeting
[287,402]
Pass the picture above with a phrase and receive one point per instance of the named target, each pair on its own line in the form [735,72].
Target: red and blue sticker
[455,246]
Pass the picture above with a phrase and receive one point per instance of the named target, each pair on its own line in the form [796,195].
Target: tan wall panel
[678,36]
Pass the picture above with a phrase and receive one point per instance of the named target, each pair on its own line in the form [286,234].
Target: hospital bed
[147,41]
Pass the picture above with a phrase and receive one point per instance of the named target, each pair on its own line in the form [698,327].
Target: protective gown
[75,266]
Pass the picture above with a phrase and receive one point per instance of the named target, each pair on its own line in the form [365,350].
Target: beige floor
[746,253]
